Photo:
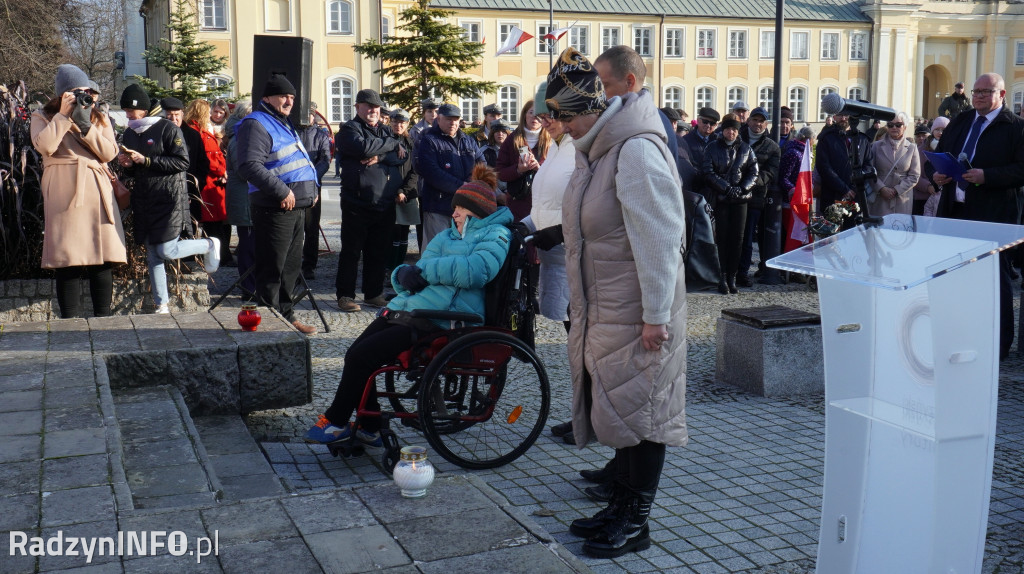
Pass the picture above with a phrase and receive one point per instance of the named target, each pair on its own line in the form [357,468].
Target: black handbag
[521,188]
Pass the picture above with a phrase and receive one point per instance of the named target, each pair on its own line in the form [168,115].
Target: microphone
[964,162]
[833,104]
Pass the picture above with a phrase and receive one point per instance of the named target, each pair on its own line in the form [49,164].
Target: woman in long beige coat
[623,225]
[898,165]
[83,233]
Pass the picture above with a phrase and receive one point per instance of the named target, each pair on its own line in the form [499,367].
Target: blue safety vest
[288,159]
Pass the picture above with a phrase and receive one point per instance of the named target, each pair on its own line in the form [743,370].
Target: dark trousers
[311,243]
[379,344]
[246,255]
[1005,305]
[765,226]
[365,232]
[222,231]
[278,256]
[638,468]
[730,221]
[69,289]
[399,245]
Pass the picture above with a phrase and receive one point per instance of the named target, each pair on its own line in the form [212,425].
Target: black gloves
[548,237]
[521,228]
[82,116]
[410,278]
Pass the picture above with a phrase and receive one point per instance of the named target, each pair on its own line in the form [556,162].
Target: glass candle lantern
[249,317]
[413,474]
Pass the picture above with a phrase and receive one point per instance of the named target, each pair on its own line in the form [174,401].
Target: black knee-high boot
[626,530]
[723,287]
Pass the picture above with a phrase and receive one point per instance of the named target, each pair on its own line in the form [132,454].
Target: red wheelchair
[479,395]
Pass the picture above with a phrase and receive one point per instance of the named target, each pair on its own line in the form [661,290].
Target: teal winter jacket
[458,267]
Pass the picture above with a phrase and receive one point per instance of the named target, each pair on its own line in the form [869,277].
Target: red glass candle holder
[249,317]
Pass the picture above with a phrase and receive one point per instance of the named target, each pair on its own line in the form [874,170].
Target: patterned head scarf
[574,88]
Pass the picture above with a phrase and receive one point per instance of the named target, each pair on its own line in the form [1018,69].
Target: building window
[830,45]
[503,32]
[705,97]
[766,51]
[642,41]
[214,82]
[798,45]
[610,37]
[858,46]
[341,100]
[542,44]
[1018,59]
[798,103]
[385,28]
[766,98]
[673,98]
[824,92]
[705,43]
[855,94]
[1018,99]
[735,94]
[339,17]
[470,109]
[738,44]
[278,17]
[470,31]
[212,15]
[508,101]
[579,38]
[674,43]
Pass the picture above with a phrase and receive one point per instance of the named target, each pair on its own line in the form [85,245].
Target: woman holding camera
[83,233]
[730,170]
[519,158]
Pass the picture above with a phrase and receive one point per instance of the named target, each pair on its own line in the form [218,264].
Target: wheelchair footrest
[346,448]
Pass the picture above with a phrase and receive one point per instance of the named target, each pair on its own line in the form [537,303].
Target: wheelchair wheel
[484,400]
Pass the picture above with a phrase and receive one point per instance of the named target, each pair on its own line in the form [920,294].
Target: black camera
[84,98]
[864,174]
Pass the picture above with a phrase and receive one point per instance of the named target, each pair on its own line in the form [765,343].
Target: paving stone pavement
[743,497]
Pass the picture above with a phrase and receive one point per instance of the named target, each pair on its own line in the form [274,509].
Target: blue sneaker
[324,432]
[369,438]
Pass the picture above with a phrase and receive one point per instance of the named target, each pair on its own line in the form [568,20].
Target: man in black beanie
[282,183]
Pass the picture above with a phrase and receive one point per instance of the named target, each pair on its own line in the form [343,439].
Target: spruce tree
[426,60]
[187,61]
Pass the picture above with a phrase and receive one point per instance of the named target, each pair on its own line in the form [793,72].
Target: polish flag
[800,205]
[515,38]
[556,34]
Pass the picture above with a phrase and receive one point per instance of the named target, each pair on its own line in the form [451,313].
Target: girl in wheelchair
[450,275]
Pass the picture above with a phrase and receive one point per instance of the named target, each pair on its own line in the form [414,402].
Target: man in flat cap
[764,211]
[282,184]
[444,161]
[692,150]
[492,113]
[367,203]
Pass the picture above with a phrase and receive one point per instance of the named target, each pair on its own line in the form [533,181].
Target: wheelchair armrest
[446,315]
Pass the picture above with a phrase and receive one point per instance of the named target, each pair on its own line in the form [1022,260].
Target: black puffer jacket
[728,166]
[768,155]
[159,199]
[365,185]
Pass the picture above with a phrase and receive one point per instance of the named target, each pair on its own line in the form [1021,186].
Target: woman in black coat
[730,170]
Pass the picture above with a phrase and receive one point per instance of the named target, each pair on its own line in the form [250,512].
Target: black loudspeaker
[290,56]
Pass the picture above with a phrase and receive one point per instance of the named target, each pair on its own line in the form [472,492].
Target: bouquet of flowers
[836,215]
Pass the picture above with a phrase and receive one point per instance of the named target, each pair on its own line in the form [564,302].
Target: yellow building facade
[905,55]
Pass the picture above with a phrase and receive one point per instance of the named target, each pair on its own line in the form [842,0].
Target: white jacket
[549,184]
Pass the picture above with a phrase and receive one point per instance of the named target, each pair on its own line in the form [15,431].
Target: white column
[918,83]
[900,92]
[884,66]
[999,58]
[971,70]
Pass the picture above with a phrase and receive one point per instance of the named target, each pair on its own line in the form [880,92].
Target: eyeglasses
[708,122]
[894,125]
[983,92]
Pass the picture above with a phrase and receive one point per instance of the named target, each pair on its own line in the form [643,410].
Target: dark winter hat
[278,85]
[959,85]
[730,121]
[449,111]
[400,115]
[492,109]
[134,98]
[370,97]
[172,103]
[428,104]
[70,77]
[672,114]
[786,113]
[477,197]
[759,111]
[574,88]
[709,114]
[501,125]
[921,129]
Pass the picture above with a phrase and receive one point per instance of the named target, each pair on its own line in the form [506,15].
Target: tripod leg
[308,293]
[238,284]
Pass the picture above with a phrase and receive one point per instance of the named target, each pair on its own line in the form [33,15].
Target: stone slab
[528,559]
[22,382]
[71,397]
[13,401]
[224,434]
[251,486]
[165,563]
[288,555]
[430,538]
[84,417]
[449,495]
[327,512]
[366,549]
[241,464]
[778,361]
[19,512]
[104,528]
[208,378]
[75,442]
[167,480]
[151,454]
[275,371]
[75,471]
[246,522]
[20,477]
[187,521]
[18,448]
[72,506]
[24,422]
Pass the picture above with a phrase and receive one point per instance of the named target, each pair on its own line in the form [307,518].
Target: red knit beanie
[477,195]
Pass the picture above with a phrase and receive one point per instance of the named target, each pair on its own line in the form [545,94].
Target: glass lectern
[909,321]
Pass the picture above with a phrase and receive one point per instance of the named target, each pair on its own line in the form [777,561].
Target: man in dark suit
[992,139]
[692,153]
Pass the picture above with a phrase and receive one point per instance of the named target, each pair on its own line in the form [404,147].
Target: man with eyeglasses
[696,141]
[990,142]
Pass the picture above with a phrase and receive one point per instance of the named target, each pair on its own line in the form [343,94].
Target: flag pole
[551,25]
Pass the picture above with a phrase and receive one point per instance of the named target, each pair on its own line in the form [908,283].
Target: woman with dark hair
[730,170]
[82,232]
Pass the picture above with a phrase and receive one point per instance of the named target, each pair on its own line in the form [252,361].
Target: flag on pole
[515,38]
[556,34]
[800,204]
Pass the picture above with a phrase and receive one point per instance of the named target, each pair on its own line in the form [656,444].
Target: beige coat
[82,221]
[898,168]
[634,394]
